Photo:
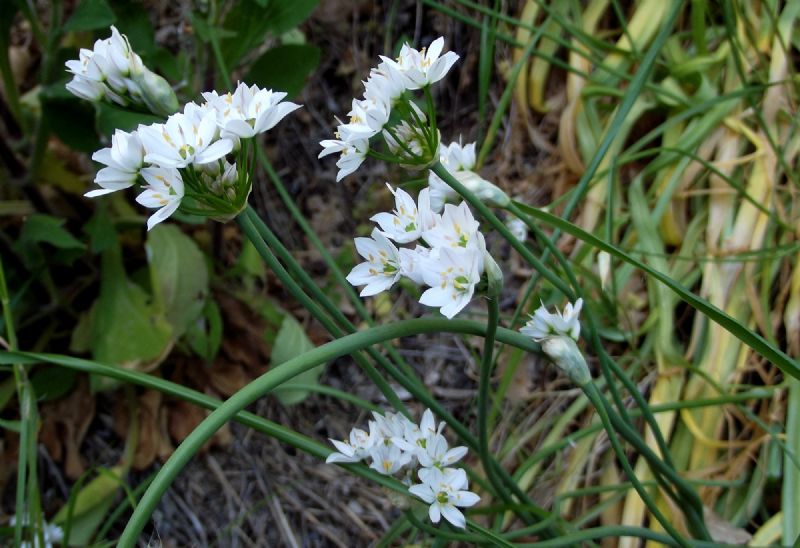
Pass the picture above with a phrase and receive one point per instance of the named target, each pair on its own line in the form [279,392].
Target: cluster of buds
[449,255]
[395,445]
[113,72]
[388,112]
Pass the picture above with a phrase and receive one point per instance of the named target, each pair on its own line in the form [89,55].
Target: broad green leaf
[127,329]
[178,276]
[204,335]
[283,15]
[41,228]
[67,119]
[52,383]
[90,506]
[90,15]
[284,68]
[109,118]
[252,21]
[100,230]
[291,342]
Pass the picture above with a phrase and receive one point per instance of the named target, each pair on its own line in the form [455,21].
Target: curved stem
[259,387]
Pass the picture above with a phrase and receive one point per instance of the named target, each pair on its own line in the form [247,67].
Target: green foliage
[179,276]
[90,15]
[291,342]
[284,67]
[44,229]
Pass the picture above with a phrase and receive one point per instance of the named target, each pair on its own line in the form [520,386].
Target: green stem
[330,262]
[483,399]
[600,405]
[300,274]
[254,390]
[250,231]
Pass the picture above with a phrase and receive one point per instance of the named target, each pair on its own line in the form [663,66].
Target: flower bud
[494,276]
[483,189]
[156,93]
[565,354]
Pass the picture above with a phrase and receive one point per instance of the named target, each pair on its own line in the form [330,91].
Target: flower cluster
[113,72]
[186,156]
[451,262]
[460,161]
[543,324]
[393,444]
[408,134]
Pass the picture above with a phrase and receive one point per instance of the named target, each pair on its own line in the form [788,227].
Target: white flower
[352,154]
[388,459]
[185,138]
[421,68]
[407,222]
[452,277]
[543,324]
[164,190]
[455,157]
[248,111]
[387,426]
[381,270]
[415,437]
[457,229]
[358,448]
[384,85]
[445,490]
[367,119]
[124,158]
[51,533]
[518,228]
[413,261]
[85,88]
[434,453]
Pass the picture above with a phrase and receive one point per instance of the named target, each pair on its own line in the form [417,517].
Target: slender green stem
[330,262]
[251,392]
[483,399]
[250,231]
[613,531]
[299,273]
[599,403]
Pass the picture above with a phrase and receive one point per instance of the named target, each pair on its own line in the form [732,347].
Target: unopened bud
[483,189]
[156,92]
[494,276]
[565,354]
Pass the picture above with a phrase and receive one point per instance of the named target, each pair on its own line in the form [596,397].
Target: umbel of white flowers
[558,333]
[395,445]
[113,72]
[449,255]
[187,156]
[410,137]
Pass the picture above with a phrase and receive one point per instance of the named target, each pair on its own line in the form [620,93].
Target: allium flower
[367,118]
[381,270]
[422,68]
[452,278]
[352,154]
[52,534]
[543,324]
[164,190]
[220,177]
[445,491]
[185,138]
[457,229]
[415,437]
[408,221]
[434,453]
[124,158]
[113,71]
[412,262]
[384,85]
[248,111]
[358,448]
[388,459]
